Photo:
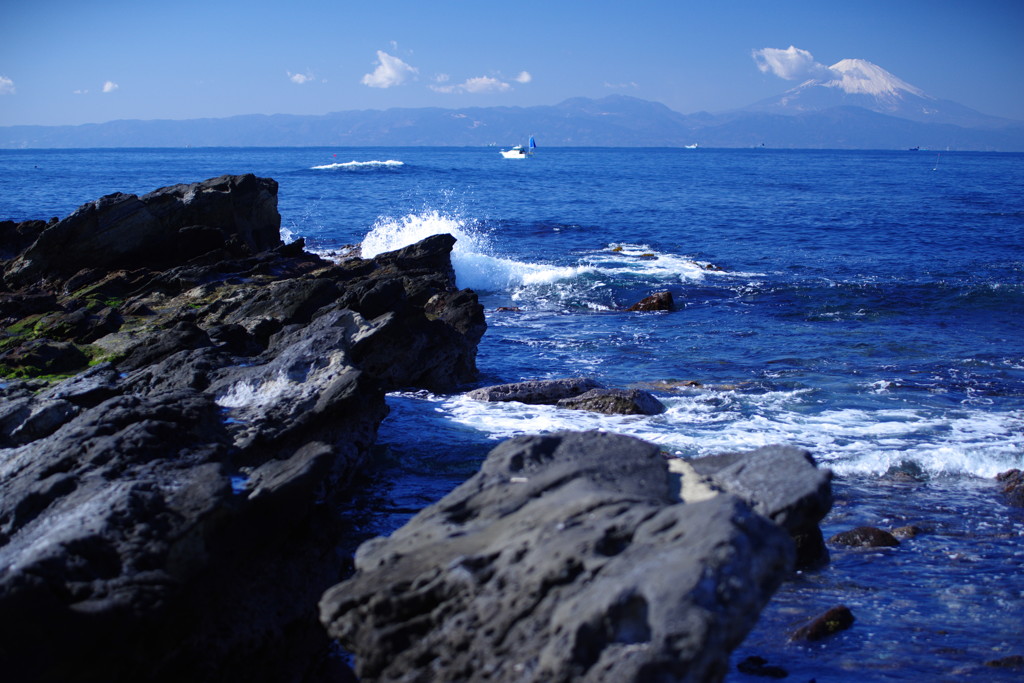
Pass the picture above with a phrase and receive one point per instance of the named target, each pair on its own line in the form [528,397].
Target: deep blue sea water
[868,306]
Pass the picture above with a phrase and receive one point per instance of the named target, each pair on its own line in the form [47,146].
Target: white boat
[693,146]
[520,152]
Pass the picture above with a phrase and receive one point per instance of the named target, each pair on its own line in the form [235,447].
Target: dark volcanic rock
[45,357]
[759,666]
[831,622]
[659,301]
[865,537]
[169,515]
[168,226]
[782,483]
[567,557]
[615,402]
[1013,487]
[543,391]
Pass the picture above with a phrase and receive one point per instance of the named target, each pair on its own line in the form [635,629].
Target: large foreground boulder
[567,557]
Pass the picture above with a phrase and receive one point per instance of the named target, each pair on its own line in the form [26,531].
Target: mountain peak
[861,77]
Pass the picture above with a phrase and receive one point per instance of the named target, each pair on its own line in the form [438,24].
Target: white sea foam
[473,257]
[478,265]
[641,260]
[359,165]
[704,422]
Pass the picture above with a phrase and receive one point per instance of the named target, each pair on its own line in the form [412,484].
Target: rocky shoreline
[187,396]
[164,509]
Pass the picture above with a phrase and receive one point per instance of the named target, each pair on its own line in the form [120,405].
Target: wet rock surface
[573,556]
[574,393]
[165,510]
[865,537]
[615,402]
[833,621]
[659,301]
[1012,483]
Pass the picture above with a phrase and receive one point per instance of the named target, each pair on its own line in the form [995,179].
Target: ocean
[865,305]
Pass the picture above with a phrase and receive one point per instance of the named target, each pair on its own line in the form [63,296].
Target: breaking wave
[359,165]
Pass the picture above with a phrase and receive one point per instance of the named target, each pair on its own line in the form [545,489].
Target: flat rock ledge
[574,557]
[574,393]
[167,510]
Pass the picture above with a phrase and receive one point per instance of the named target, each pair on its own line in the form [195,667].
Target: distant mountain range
[855,105]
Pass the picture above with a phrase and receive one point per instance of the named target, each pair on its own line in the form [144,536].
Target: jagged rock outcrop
[165,514]
[568,557]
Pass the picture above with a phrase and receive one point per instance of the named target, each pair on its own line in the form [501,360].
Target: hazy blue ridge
[615,121]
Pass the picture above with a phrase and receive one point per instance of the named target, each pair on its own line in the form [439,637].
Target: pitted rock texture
[567,557]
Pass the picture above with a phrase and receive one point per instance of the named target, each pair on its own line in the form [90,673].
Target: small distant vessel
[914,149]
[693,146]
[520,152]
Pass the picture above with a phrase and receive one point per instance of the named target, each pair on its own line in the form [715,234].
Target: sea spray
[473,257]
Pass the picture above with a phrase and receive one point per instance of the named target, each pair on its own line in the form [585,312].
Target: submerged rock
[615,402]
[865,537]
[566,557]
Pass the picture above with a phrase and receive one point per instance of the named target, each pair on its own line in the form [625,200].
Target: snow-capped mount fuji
[860,83]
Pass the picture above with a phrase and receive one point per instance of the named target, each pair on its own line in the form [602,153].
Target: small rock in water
[543,391]
[831,622]
[1013,487]
[865,537]
[1011,662]
[759,666]
[659,301]
[615,402]
[908,531]
[907,471]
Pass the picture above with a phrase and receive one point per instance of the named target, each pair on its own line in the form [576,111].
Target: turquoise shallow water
[867,306]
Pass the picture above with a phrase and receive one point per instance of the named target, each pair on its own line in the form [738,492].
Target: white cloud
[110,86]
[523,77]
[485,84]
[81,91]
[622,86]
[390,71]
[6,86]
[478,85]
[299,79]
[790,64]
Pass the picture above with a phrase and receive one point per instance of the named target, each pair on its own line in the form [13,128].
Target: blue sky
[81,61]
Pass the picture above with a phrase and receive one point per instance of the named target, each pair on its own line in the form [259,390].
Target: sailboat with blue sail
[520,152]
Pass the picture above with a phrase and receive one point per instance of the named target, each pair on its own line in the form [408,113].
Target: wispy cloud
[622,86]
[390,71]
[477,85]
[485,84]
[790,64]
[110,86]
[6,86]
[300,78]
